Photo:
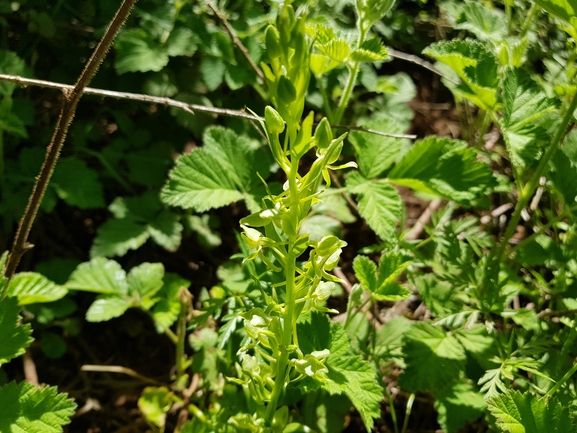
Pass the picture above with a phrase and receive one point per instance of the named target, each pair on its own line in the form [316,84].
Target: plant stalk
[71,98]
[527,191]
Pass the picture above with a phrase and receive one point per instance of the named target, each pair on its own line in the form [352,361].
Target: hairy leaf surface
[14,338]
[31,409]
[518,412]
[379,203]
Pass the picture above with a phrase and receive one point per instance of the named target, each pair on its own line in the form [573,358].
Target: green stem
[483,130]
[392,408]
[562,381]
[537,233]
[326,100]
[181,336]
[528,21]
[527,191]
[353,72]
[408,412]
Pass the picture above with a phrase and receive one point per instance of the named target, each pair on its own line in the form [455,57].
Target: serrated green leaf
[376,153]
[107,307]
[391,266]
[564,9]
[526,116]
[518,412]
[166,310]
[154,403]
[10,64]
[77,184]
[487,24]
[217,174]
[31,409]
[442,354]
[145,280]
[136,51]
[446,167]
[181,42]
[563,173]
[371,50]
[117,236]
[458,404]
[100,276]
[31,288]
[336,49]
[166,231]
[212,70]
[379,204]
[14,338]
[366,272]
[475,65]
[356,379]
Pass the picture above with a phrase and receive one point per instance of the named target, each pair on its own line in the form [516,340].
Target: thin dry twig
[29,368]
[237,42]
[419,227]
[418,61]
[122,370]
[190,108]
[71,98]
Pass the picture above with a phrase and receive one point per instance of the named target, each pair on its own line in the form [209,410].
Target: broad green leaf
[204,226]
[391,266]
[31,288]
[154,403]
[487,24]
[564,171]
[371,50]
[99,275]
[77,184]
[441,353]
[355,378]
[117,236]
[366,272]
[52,344]
[348,374]
[166,231]
[181,42]
[145,280]
[458,404]
[376,153]
[136,51]
[31,409]
[212,70]
[14,338]
[137,219]
[438,296]
[527,114]
[564,9]
[475,65]
[107,307]
[166,310]
[518,412]
[446,167]
[217,174]
[379,204]
[10,64]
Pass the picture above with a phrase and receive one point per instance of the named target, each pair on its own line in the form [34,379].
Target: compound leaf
[31,409]
[376,153]
[487,24]
[138,52]
[100,276]
[107,307]
[117,236]
[441,353]
[518,412]
[77,184]
[32,287]
[14,338]
[475,65]
[217,174]
[379,204]
[445,167]
[526,116]
[458,404]
[366,272]
[166,231]
[145,279]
